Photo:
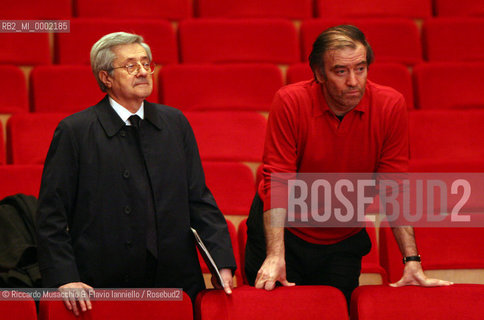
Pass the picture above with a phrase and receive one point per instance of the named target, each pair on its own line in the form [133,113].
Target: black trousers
[337,265]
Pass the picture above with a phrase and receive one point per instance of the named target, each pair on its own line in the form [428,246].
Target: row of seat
[277,41]
[239,136]
[291,9]
[291,303]
[248,87]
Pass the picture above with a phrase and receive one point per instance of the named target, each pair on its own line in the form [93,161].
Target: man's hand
[227,277]
[413,275]
[273,269]
[74,292]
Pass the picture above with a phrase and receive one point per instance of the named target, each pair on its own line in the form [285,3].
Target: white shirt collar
[124,114]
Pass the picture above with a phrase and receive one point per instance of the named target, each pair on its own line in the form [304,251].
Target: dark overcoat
[92,215]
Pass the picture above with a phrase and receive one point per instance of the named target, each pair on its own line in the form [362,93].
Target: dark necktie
[135,120]
[151,238]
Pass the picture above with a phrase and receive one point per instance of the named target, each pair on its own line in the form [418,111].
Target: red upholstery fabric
[20,179]
[122,310]
[52,89]
[299,72]
[452,8]
[242,240]
[234,87]
[33,9]
[299,302]
[393,75]
[447,134]
[235,247]
[63,88]
[18,310]
[440,248]
[29,136]
[290,9]
[229,136]
[374,8]
[443,39]
[2,145]
[25,48]
[438,303]
[237,199]
[449,85]
[166,9]
[75,47]
[406,50]
[14,90]
[371,262]
[244,40]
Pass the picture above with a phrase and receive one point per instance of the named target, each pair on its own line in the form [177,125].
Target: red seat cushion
[290,9]
[208,87]
[413,9]
[240,40]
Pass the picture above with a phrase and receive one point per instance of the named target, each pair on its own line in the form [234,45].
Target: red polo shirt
[304,135]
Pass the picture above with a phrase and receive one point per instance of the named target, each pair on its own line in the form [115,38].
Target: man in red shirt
[338,122]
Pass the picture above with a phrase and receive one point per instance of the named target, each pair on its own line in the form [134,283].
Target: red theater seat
[406,50]
[393,75]
[447,248]
[437,303]
[2,146]
[299,302]
[447,134]
[23,309]
[14,90]
[25,49]
[413,9]
[452,8]
[290,9]
[235,200]
[235,247]
[29,136]
[244,40]
[75,47]
[122,310]
[242,239]
[63,88]
[20,179]
[166,9]
[299,72]
[444,39]
[33,9]
[451,85]
[371,270]
[229,136]
[234,86]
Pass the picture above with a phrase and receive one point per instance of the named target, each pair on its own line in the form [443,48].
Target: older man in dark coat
[122,185]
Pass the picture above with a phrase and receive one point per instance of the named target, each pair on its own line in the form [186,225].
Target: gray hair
[102,56]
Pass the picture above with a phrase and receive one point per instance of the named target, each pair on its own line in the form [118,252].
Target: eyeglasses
[133,68]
